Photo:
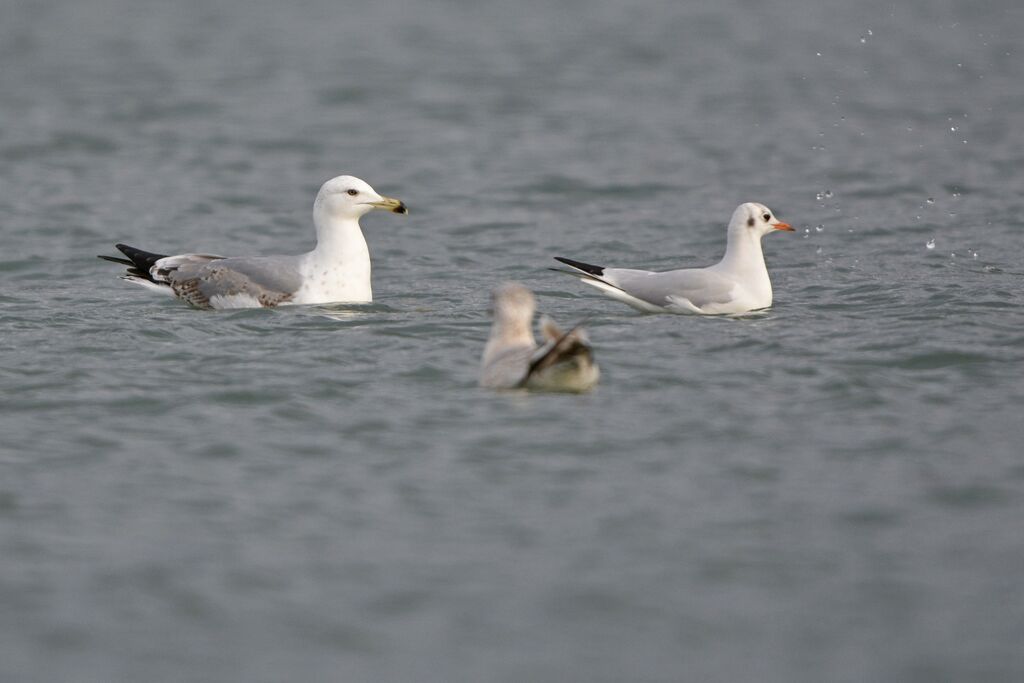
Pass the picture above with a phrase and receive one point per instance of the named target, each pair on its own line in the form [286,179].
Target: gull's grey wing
[699,287]
[231,282]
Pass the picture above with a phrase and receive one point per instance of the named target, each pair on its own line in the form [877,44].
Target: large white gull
[513,360]
[736,284]
[337,270]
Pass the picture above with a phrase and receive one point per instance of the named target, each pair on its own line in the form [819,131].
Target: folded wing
[695,289]
[212,282]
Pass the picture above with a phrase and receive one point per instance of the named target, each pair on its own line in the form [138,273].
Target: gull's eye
[353,193]
[767,217]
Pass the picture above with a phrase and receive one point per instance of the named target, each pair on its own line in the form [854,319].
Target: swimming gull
[512,359]
[736,284]
[337,270]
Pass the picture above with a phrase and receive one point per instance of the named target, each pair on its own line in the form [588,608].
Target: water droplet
[818,53]
[863,39]
[930,244]
[819,196]
[952,129]
[819,228]
[974,254]
[931,200]
[828,194]
[807,231]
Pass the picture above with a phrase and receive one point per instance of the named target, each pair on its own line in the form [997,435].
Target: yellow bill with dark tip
[389,204]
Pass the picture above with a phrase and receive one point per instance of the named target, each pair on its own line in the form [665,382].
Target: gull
[512,359]
[736,284]
[337,270]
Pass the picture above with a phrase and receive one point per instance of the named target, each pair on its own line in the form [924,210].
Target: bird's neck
[340,244]
[506,334]
[743,254]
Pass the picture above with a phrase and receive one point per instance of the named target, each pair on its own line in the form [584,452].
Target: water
[830,490]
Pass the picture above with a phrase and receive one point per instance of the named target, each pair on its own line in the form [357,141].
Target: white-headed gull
[736,284]
[337,270]
[512,359]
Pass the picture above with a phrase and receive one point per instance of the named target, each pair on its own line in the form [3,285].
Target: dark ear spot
[750,222]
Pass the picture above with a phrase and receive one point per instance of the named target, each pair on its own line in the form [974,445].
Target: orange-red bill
[783,226]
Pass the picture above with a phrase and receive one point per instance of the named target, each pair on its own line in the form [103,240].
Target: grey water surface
[829,490]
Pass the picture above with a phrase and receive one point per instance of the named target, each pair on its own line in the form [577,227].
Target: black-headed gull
[512,359]
[736,284]
[337,270]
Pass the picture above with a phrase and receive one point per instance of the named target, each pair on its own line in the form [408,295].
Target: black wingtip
[579,265]
[139,262]
[115,259]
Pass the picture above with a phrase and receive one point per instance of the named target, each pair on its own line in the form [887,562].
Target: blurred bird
[513,360]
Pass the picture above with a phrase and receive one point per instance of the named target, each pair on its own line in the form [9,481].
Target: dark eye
[355,192]
[767,217]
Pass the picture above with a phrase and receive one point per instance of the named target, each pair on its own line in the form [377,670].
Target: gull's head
[755,219]
[349,197]
[513,305]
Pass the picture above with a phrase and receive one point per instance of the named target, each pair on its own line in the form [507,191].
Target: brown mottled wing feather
[268,280]
[565,347]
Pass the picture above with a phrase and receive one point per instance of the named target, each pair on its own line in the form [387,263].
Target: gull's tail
[584,268]
[589,273]
[596,277]
[139,263]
